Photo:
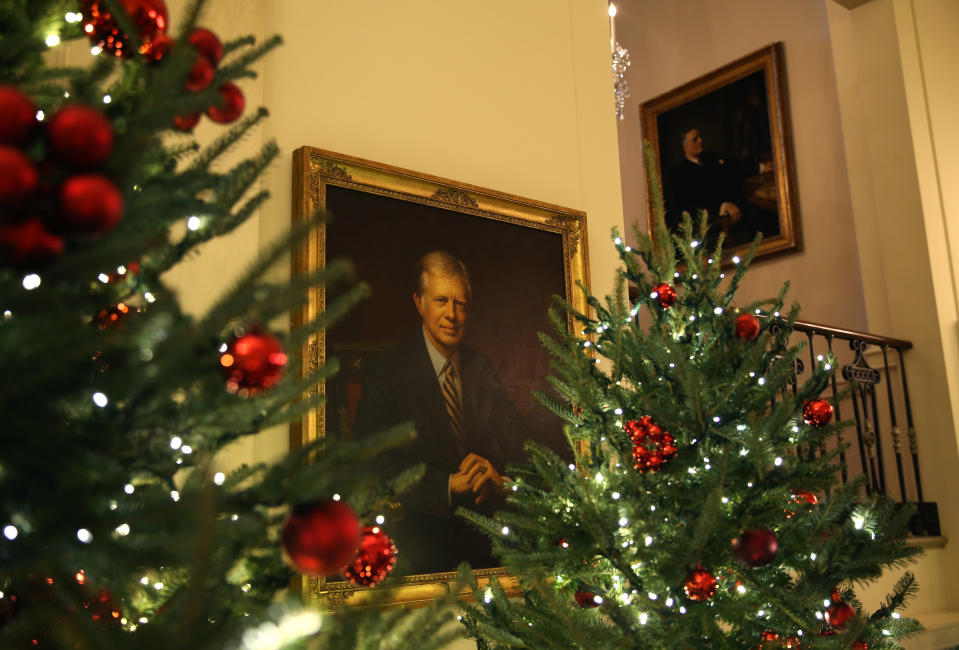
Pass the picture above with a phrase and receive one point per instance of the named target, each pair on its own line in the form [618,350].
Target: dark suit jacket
[401,386]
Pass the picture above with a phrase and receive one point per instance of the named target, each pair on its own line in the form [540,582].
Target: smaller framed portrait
[722,144]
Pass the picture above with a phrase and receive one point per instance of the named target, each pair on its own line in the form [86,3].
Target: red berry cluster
[651,445]
[209,52]
[63,193]
[149,16]
[151,20]
[699,584]
[374,559]
[769,640]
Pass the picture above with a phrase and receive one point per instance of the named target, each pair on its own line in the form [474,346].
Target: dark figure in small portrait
[466,423]
[703,181]
[723,188]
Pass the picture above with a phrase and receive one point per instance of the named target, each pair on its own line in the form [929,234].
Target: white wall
[514,96]
[895,64]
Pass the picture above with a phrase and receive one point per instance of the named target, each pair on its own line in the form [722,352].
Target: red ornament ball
[374,560]
[817,412]
[253,362]
[29,244]
[149,16]
[201,75]
[769,640]
[860,645]
[746,327]
[80,135]
[186,122]
[699,584]
[230,106]
[90,204]
[207,44]
[665,294]
[755,548]
[321,538]
[838,613]
[586,599]
[652,447]
[18,177]
[18,116]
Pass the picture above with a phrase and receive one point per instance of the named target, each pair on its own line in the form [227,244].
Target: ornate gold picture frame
[741,168]
[519,252]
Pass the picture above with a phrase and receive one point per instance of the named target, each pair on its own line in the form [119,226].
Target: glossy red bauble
[746,327]
[253,362]
[90,204]
[18,177]
[321,538]
[150,17]
[817,412]
[80,135]
[665,294]
[201,74]
[230,105]
[839,613]
[755,548]
[374,560]
[186,122]
[586,599]
[699,584]
[28,244]
[18,116]
[207,44]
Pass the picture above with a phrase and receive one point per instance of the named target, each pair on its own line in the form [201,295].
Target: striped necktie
[454,409]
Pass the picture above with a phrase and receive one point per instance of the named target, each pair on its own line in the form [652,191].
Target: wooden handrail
[843,333]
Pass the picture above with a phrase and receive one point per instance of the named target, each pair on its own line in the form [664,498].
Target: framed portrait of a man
[722,144]
[462,279]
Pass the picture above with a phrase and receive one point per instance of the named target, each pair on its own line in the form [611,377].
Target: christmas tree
[119,528]
[703,508]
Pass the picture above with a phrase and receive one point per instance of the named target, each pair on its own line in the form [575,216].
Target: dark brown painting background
[514,272]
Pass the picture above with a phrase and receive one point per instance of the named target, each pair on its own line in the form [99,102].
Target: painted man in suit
[466,423]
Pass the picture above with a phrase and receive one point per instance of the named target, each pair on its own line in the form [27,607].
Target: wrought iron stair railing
[868,363]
